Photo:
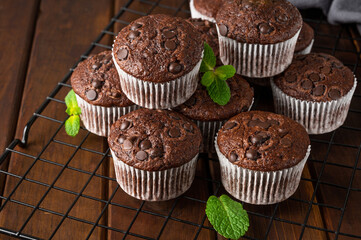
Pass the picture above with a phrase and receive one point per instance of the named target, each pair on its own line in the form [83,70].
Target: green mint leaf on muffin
[227,216]
[209,59]
[72,124]
[215,79]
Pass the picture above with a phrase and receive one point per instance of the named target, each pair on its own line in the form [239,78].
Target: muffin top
[209,34]
[258,21]
[96,81]
[263,141]
[207,7]
[154,140]
[158,48]
[305,37]
[201,107]
[316,77]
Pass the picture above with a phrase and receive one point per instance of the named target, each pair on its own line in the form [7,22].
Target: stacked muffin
[155,64]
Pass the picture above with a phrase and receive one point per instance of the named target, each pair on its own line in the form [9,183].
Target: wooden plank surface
[63,32]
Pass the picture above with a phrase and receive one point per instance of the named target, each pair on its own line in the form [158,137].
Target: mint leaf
[219,92]
[70,99]
[209,59]
[72,125]
[208,78]
[227,216]
[225,72]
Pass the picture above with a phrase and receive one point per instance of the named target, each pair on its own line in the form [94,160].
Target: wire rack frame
[214,185]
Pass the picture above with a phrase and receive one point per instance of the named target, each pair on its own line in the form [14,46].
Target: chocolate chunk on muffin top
[201,107]
[316,77]
[305,37]
[96,81]
[158,48]
[207,7]
[263,141]
[258,21]
[208,33]
[154,140]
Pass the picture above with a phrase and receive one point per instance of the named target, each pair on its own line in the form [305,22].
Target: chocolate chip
[169,34]
[135,26]
[264,124]
[283,132]
[254,123]
[229,125]
[223,29]
[188,127]
[121,139]
[314,77]
[97,83]
[127,144]
[290,77]
[213,31]
[282,18]
[265,28]
[307,84]
[115,94]
[156,153]
[318,91]
[174,132]
[233,157]
[122,54]
[273,122]
[191,102]
[145,144]
[251,154]
[326,70]
[175,68]
[124,125]
[170,45]
[337,64]
[91,95]
[96,66]
[141,155]
[334,94]
[285,142]
[133,34]
[259,138]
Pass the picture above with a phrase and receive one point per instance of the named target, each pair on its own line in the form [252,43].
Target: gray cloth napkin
[337,11]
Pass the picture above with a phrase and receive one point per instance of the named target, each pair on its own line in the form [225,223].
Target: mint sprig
[215,79]
[227,216]
[72,124]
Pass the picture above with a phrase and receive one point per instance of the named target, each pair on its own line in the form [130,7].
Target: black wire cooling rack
[326,164]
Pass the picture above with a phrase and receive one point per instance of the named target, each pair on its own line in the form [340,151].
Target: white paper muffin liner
[307,50]
[159,95]
[196,14]
[316,117]
[97,119]
[258,187]
[209,131]
[257,60]
[154,185]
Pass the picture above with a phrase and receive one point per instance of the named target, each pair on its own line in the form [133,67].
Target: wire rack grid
[332,42]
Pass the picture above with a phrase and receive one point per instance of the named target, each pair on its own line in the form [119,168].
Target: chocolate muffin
[209,35]
[158,58]
[262,156]
[258,37]
[205,9]
[305,40]
[155,153]
[96,84]
[316,91]
[210,116]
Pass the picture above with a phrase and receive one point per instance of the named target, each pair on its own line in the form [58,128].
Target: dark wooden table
[65,188]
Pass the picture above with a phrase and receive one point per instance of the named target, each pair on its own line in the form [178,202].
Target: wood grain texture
[63,32]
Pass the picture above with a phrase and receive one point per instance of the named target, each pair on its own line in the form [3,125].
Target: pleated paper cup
[209,130]
[305,51]
[97,119]
[316,117]
[159,95]
[258,187]
[257,60]
[196,14]
[154,185]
